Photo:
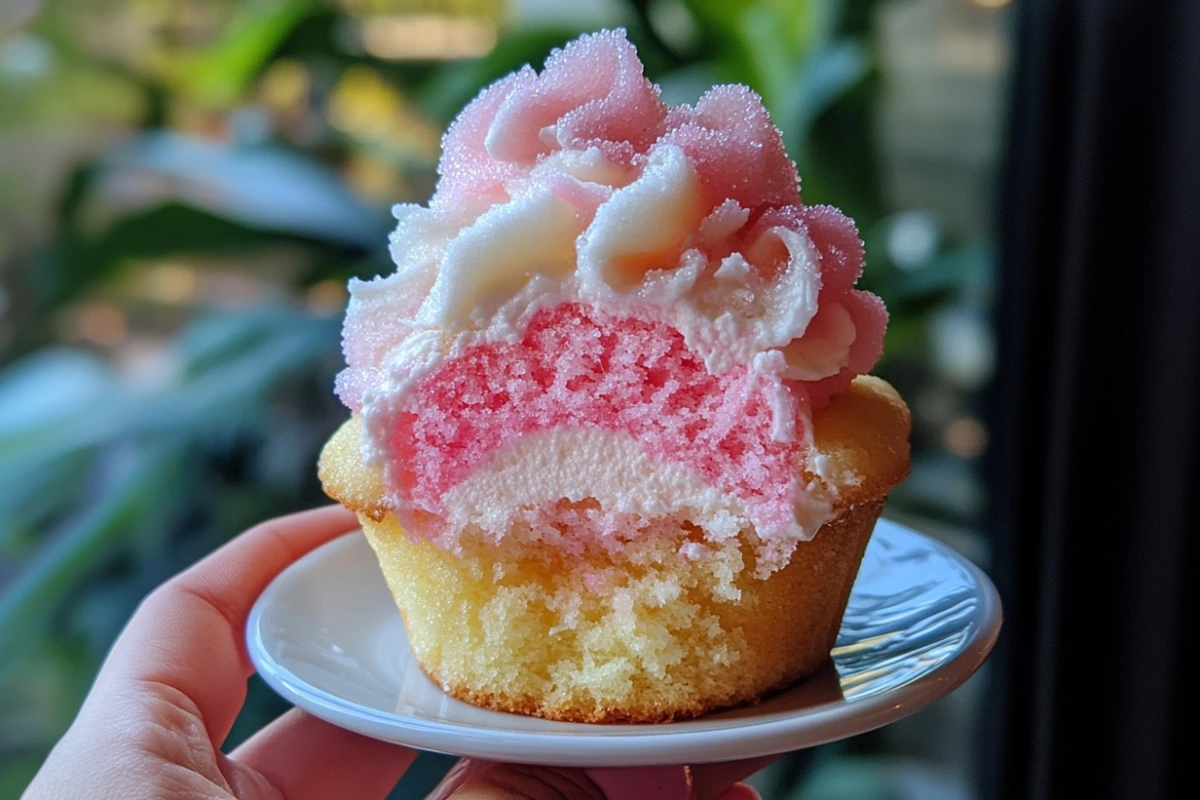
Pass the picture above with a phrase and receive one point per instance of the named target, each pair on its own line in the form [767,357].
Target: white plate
[326,635]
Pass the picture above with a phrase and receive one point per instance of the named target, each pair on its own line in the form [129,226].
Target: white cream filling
[610,467]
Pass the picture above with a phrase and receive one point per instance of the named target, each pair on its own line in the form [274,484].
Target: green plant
[250,140]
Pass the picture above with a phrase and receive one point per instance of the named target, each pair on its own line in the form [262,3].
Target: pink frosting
[592,93]
[619,352]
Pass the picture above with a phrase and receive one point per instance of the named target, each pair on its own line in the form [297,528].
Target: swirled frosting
[662,230]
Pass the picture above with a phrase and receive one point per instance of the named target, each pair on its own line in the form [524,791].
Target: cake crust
[700,653]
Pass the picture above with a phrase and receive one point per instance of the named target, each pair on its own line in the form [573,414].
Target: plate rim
[593,745]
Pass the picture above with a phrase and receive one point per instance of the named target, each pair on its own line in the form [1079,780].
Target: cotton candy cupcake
[611,436]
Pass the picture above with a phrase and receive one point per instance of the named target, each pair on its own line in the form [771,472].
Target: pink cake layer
[577,368]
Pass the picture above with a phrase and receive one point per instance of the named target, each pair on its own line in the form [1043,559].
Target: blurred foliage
[185,188]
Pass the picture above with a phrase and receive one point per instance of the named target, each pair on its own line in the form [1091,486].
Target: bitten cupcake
[611,433]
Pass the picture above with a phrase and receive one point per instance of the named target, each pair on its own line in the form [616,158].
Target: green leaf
[219,76]
[839,166]
[774,55]
[77,187]
[54,406]
[717,18]
[826,76]
[217,199]
[45,388]
[213,340]
[79,547]
[453,86]
[74,265]
[905,338]
[31,495]
[262,187]
[228,364]
[716,14]
[16,773]
[40,692]
[222,386]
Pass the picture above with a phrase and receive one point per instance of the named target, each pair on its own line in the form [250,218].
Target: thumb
[485,780]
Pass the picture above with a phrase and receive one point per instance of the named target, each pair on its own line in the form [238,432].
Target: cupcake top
[611,309]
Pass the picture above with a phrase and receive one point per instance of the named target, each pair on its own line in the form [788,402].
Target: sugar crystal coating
[592,93]
[594,259]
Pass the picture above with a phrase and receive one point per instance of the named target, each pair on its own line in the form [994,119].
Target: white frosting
[579,228]
[496,256]
[813,358]
[613,468]
[643,226]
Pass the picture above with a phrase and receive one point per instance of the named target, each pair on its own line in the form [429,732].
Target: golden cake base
[638,633]
[663,640]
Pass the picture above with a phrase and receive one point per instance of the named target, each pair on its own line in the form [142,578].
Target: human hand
[170,689]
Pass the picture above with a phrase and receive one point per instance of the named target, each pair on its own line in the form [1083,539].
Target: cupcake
[611,435]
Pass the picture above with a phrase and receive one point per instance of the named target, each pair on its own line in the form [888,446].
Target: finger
[710,780]
[659,783]
[483,780]
[740,791]
[306,758]
[188,635]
